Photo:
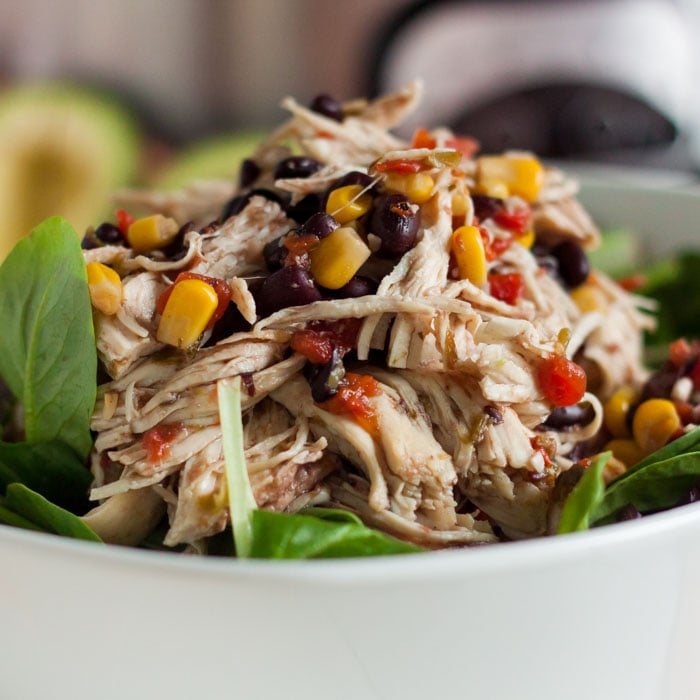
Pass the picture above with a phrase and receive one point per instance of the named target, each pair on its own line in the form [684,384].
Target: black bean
[660,383]
[573,263]
[109,234]
[238,203]
[320,224]
[290,286]
[395,223]
[566,417]
[325,379]
[296,166]
[486,207]
[358,286]
[494,414]
[176,250]
[89,240]
[354,177]
[305,208]
[250,171]
[231,322]
[327,106]
[275,253]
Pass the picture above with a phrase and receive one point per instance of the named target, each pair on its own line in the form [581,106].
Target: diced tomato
[466,145]
[517,220]
[633,282]
[679,352]
[494,248]
[508,287]
[537,446]
[124,220]
[401,165]
[299,248]
[352,400]
[314,346]
[423,139]
[221,287]
[157,441]
[562,381]
[343,333]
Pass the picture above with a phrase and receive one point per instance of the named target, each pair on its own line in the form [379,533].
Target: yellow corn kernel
[151,233]
[460,204]
[521,174]
[492,188]
[626,450]
[346,204]
[187,312]
[418,187]
[589,298]
[654,424]
[615,411]
[468,249]
[105,288]
[526,239]
[337,257]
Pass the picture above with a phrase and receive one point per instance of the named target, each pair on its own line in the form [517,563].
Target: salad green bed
[49,364]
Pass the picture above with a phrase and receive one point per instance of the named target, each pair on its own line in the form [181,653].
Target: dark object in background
[588,80]
[567,121]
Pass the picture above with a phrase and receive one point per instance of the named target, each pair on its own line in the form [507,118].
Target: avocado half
[217,157]
[63,151]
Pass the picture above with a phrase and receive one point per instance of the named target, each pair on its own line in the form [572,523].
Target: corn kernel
[626,450]
[589,298]
[337,257]
[187,312]
[346,204]
[654,424]
[616,409]
[460,204]
[492,188]
[526,239]
[468,250]
[522,174]
[105,288]
[418,187]
[151,233]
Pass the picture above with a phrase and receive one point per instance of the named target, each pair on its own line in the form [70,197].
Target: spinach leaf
[299,536]
[47,347]
[584,497]
[49,468]
[31,506]
[241,500]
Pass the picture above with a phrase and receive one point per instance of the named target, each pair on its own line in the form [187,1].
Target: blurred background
[162,91]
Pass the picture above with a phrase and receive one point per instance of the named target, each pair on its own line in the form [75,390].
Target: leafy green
[47,350]
[241,500]
[584,497]
[300,536]
[50,468]
[35,509]
[658,481]
[675,284]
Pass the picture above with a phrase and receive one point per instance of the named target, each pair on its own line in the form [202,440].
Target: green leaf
[240,495]
[584,497]
[298,536]
[9,517]
[47,347]
[49,517]
[52,469]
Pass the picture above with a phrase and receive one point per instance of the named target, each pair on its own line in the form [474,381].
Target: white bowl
[611,613]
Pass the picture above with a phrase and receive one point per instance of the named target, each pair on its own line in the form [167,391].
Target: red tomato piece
[423,139]
[352,400]
[517,220]
[466,145]
[157,441]
[400,165]
[508,287]
[124,220]
[562,381]
[679,352]
[314,346]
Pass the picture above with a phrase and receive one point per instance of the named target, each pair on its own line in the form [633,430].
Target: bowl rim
[444,565]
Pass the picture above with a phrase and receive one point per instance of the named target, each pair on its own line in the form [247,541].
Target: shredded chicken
[430,419]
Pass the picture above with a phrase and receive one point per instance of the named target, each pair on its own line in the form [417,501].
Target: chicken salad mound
[418,335]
